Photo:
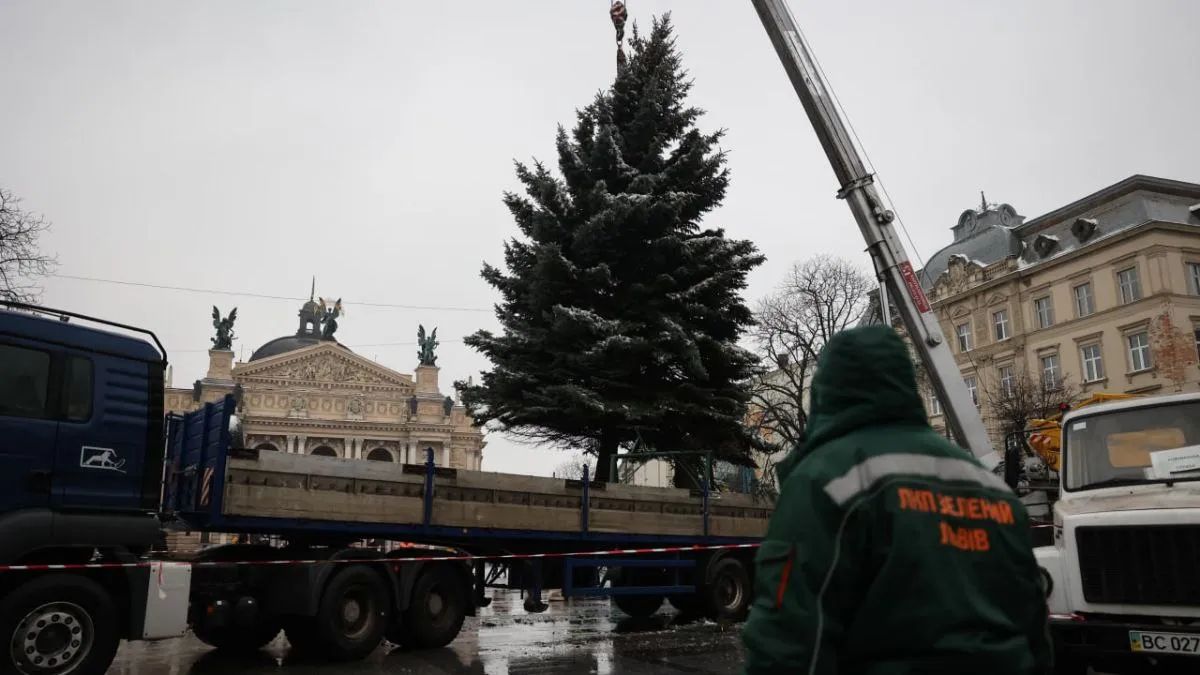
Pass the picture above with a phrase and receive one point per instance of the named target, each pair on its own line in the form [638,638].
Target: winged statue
[427,344]
[224,337]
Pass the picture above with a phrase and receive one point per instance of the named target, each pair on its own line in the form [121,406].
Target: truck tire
[354,612]
[58,624]
[726,595]
[638,606]
[687,605]
[236,639]
[301,632]
[436,610]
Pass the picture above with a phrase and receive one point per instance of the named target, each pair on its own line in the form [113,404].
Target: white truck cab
[1123,574]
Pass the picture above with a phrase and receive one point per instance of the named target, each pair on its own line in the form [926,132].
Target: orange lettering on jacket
[964,538]
[970,508]
[917,500]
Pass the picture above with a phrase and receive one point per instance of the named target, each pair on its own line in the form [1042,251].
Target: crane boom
[875,222]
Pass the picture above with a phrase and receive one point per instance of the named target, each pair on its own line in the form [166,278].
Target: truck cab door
[28,430]
[103,433]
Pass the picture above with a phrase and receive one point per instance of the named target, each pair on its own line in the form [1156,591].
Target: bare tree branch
[21,261]
[1026,397]
[572,468]
[819,298]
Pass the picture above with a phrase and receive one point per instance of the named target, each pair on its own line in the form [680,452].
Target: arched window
[324,451]
[266,446]
[379,455]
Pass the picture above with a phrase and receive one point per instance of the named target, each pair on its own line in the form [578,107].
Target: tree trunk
[607,450]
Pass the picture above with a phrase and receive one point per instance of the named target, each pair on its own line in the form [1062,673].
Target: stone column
[445,456]
[301,442]
[362,446]
[291,444]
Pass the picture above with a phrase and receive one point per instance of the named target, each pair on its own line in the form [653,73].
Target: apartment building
[1101,295]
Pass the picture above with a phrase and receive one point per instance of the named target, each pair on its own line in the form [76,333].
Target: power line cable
[362,346]
[264,296]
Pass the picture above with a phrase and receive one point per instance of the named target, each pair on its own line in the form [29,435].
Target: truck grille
[1147,565]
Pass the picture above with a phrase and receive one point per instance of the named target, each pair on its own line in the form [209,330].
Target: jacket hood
[864,378]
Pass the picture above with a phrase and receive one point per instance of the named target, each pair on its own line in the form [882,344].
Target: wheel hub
[52,639]
[435,604]
[729,592]
[351,611]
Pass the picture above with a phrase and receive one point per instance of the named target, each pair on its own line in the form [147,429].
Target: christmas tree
[620,313]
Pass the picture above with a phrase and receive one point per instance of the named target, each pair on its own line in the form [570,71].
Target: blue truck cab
[81,436]
[81,454]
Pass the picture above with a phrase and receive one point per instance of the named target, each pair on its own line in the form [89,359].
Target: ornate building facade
[1099,295]
[306,393]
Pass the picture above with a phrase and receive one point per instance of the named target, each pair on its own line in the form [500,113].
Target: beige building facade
[307,394]
[1101,295]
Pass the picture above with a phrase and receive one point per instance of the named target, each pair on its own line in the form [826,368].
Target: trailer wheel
[726,595]
[236,639]
[638,606]
[353,614]
[436,610]
[58,624]
[687,605]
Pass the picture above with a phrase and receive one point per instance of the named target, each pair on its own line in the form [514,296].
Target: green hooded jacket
[891,550]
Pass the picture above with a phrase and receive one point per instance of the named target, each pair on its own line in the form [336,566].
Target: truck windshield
[1140,445]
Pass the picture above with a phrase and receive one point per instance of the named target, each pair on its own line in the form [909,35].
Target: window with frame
[1043,311]
[1051,372]
[1085,301]
[1194,278]
[1139,351]
[963,330]
[78,389]
[1196,331]
[972,388]
[935,403]
[1000,322]
[1007,381]
[1093,362]
[24,382]
[1130,285]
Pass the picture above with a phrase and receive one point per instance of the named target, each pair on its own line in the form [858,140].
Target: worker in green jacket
[891,550]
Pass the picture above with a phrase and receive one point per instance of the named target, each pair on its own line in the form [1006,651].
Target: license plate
[1164,643]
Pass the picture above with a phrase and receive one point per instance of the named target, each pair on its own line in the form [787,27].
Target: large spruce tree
[620,314]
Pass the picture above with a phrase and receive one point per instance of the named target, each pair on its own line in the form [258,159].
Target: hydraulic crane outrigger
[875,223]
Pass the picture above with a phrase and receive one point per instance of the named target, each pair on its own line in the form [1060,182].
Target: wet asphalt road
[581,637]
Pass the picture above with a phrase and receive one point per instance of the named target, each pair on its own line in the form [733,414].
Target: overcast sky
[246,146]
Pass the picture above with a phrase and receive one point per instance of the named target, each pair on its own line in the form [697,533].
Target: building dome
[308,334]
[281,345]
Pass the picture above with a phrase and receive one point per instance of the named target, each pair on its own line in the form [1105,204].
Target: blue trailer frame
[199,444]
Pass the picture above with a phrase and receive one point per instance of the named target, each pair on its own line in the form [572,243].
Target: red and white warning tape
[440,558]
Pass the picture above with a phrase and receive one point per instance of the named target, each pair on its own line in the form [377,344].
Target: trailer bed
[214,488]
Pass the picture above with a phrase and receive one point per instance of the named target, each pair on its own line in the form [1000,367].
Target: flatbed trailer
[213,486]
[639,545]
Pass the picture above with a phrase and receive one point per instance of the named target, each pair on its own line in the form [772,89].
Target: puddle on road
[582,636]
